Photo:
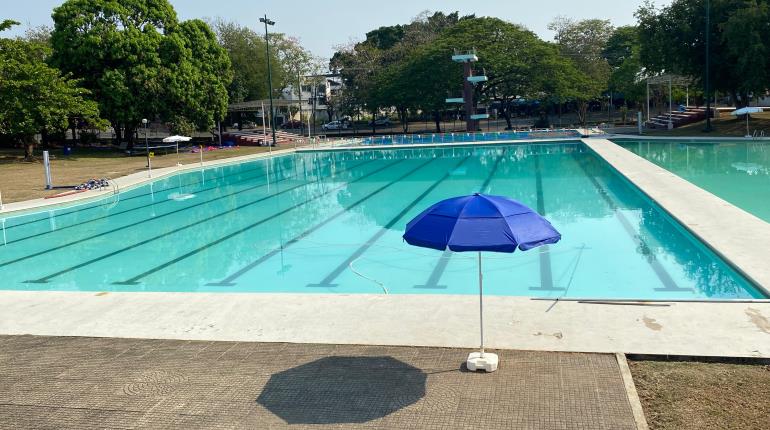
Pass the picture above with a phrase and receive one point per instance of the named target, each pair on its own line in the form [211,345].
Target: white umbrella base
[478,361]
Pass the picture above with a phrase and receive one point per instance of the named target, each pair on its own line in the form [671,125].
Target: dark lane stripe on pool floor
[135,279]
[112,214]
[438,270]
[56,248]
[327,281]
[196,223]
[665,278]
[228,282]
[546,273]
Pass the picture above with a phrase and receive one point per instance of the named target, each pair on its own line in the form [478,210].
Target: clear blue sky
[322,25]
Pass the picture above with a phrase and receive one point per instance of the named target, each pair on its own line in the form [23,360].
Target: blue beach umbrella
[480,223]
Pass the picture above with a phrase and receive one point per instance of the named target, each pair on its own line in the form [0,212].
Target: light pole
[146,143]
[708,66]
[299,95]
[267,22]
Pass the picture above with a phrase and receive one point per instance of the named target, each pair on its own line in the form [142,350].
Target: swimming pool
[737,171]
[331,222]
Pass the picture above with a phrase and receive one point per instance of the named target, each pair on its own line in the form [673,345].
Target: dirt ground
[21,180]
[689,395]
[726,125]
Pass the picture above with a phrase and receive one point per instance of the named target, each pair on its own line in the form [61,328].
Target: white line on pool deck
[736,235]
[703,329]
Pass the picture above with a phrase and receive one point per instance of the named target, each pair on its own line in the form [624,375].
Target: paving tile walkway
[85,383]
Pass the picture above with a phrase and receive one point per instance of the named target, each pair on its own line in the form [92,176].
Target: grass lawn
[23,180]
[690,395]
[726,125]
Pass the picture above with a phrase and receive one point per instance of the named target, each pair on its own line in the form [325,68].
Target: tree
[248,57]
[137,61]
[673,41]
[583,42]
[197,87]
[294,61]
[36,98]
[8,23]
[517,63]
[622,55]
[375,71]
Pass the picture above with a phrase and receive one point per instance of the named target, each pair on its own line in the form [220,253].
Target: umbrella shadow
[338,390]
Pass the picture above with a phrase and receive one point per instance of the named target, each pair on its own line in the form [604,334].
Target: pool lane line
[127,226]
[228,281]
[546,272]
[438,270]
[98,206]
[135,280]
[250,178]
[197,222]
[663,276]
[327,282]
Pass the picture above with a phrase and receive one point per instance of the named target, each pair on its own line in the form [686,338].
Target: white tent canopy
[172,139]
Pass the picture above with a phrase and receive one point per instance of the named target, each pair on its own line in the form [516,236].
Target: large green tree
[248,57]
[583,43]
[622,54]
[36,98]
[673,41]
[517,63]
[139,62]
[197,87]
[375,71]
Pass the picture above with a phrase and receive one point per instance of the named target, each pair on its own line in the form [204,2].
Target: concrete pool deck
[696,329]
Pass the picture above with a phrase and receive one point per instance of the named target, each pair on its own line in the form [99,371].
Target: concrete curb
[633,396]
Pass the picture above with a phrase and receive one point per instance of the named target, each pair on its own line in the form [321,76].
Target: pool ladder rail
[115,193]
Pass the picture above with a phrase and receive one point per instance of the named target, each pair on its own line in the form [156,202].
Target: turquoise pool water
[331,222]
[737,171]
[411,139]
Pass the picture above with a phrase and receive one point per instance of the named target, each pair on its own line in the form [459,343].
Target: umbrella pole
[481,305]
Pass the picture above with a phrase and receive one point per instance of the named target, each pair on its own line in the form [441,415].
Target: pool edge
[681,200]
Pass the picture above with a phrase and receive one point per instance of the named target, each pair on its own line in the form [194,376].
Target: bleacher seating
[678,118]
[251,138]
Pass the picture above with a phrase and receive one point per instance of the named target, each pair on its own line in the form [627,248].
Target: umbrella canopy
[172,139]
[746,110]
[480,223]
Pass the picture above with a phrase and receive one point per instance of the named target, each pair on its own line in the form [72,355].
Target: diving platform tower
[471,118]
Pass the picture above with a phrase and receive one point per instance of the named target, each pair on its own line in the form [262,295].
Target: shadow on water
[337,390]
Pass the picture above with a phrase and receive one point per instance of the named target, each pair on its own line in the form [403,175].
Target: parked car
[381,121]
[292,124]
[335,125]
